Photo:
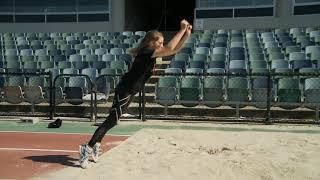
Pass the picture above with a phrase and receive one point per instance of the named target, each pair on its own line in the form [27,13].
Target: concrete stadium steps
[150,87]
[148,96]
[162,63]
[162,66]
[153,80]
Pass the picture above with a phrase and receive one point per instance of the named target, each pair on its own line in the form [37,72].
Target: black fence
[32,87]
[262,91]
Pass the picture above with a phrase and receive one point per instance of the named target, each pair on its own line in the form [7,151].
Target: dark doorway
[142,14]
[163,15]
[174,12]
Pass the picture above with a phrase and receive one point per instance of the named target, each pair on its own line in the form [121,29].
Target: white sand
[176,154]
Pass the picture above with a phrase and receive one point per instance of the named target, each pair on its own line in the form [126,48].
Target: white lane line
[52,150]
[125,135]
[42,150]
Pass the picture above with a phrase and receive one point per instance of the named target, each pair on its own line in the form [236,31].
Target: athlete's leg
[121,102]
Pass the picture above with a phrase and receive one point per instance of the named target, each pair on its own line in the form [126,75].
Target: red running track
[24,155]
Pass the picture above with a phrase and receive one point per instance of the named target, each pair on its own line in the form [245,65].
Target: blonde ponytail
[150,36]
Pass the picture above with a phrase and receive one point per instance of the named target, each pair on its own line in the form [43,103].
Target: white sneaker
[85,152]
[96,152]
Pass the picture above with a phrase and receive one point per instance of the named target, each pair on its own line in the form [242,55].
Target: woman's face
[158,43]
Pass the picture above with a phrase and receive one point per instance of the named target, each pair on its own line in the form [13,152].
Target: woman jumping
[133,81]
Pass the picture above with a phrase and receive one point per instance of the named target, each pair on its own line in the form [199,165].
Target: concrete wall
[283,18]
[116,23]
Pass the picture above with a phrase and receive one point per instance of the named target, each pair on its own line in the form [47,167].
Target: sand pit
[155,154]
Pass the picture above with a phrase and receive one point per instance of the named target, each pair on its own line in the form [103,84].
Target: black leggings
[121,101]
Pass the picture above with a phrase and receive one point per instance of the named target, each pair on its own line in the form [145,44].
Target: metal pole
[51,88]
[268,121]
[143,104]
[92,117]
[140,109]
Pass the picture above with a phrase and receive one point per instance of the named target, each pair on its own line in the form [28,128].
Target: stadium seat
[70,71]
[111,75]
[187,50]
[90,58]
[312,92]
[173,70]
[100,65]
[200,57]
[219,50]
[290,49]
[237,53]
[116,51]
[217,64]
[46,65]
[259,91]
[258,64]
[181,57]
[218,57]
[140,33]
[13,94]
[26,52]
[85,51]
[276,64]
[178,64]
[166,90]
[30,67]
[91,72]
[237,66]
[76,89]
[298,60]
[256,56]
[190,91]
[16,81]
[197,64]
[203,50]
[119,65]
[276,56]
[288,93]
[100,51]
[237,91]
[33,95]
[213,91]
[41,52]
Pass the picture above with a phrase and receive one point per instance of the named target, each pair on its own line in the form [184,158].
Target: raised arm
[183,39]
[176,42]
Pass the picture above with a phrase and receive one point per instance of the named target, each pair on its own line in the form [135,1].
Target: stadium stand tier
[218,73]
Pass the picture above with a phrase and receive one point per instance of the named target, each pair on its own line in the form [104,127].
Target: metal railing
[272,99]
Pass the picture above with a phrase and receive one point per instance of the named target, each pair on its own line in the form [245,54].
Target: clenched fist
[184,24]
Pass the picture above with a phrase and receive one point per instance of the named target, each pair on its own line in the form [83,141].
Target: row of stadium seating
[215,91]
[76,61]
[70,38]
[240,51]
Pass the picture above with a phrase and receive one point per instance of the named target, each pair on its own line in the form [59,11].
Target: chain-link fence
[25,88]
[197,95]
[209,93]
